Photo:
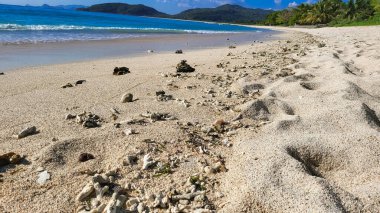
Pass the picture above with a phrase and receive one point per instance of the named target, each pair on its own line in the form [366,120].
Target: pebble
[86,191]
[100,178]
[147,162]
[70,116]
[129,131]
[130,160]
[121,70]
[128,97]
[26,132]
[40,169]
[184,67]
[10,158]
[67,85]
[43,177]
[79,82]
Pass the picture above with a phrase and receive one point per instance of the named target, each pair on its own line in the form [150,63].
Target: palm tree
[351,10]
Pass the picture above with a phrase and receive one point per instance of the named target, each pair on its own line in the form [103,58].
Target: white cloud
[293,4]
[277,1]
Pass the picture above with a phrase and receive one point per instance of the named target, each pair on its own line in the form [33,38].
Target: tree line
[329,12]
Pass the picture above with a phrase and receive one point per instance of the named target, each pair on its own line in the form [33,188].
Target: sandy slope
[307,138]
[321,152]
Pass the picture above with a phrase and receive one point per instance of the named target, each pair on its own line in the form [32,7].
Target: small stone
[26,132]
[218,124]
[10,158]
[147,162]
[141,208]
[102,179]
[67,85]
[184,202]
[40,169]
[70,116]
[83,157]
[114,111]
[79,119]
[128,97]
[1,73]
[79,82]
[184,67]
[43,177]
[320,45]
[130,160]
[150,51]
[90,123]
[121,70]
[178,52]
[129,131]
[217,166]
[86,191]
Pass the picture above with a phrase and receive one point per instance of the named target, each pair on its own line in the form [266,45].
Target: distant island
[322,13]
[64,7]
[225,13]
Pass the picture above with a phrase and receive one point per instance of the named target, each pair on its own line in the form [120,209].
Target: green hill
[226,13]
[125,9]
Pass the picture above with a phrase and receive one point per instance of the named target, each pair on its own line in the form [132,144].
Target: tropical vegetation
[329,12]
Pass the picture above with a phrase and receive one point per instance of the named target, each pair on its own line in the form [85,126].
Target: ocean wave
[17,27]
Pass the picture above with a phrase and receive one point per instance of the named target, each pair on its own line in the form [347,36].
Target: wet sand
[76,51]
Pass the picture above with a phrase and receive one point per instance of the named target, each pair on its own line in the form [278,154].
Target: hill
[125,9]
[225,13]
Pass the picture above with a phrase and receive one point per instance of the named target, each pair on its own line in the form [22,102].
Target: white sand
[303,150]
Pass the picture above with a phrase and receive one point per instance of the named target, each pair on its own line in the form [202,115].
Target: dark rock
[121,70]
[128,97]
[79,82]
[178,52]
[161,92]
[161,96]
[67,85]
[10,158]
[184,67]
[85,157]
[1,73]
[90,123]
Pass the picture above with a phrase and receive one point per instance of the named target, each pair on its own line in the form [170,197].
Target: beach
[289,124]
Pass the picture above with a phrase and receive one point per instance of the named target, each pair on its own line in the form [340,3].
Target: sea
[27,24]
[34,36]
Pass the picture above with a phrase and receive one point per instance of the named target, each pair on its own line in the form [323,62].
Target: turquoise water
[19,25]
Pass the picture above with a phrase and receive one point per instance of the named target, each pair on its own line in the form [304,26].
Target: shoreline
[72,51]
[287,125]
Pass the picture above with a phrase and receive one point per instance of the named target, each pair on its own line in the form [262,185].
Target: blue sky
[170,6]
